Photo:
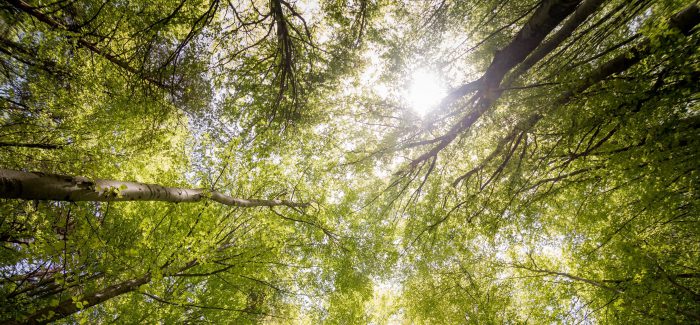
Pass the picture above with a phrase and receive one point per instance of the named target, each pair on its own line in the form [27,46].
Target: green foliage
[572,199]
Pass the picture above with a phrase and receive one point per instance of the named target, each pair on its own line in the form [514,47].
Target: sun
[425,92]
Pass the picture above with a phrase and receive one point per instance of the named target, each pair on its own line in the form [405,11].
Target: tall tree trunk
[685,20]
[30,145]
[527,40]
[39,186]
[585,10]
[543,21]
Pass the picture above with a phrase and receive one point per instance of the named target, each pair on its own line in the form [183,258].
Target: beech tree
[38,186]
[348,162]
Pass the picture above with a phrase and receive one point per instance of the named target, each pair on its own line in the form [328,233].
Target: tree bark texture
[585,10]
[39,186]
[543,21]
[546,18]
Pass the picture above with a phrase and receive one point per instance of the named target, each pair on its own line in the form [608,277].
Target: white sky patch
[372,72]
[553,248]
[384,308]
[275,159]
[348,145]
[336,197]
[380,171]
[425,92]
[310,10]
[321,129]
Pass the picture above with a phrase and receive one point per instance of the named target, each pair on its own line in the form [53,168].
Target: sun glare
[425,92]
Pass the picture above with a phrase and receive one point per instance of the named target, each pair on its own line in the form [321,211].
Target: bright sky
[425,92]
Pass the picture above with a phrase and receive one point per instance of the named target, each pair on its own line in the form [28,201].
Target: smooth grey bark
[16,184]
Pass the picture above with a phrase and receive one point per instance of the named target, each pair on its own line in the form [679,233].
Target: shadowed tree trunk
[30,145]
[544,20]
[39,186]
[685,20]
[547,16]
[68,306]
[585,10]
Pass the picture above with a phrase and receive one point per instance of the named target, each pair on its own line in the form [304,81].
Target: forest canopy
[349,161]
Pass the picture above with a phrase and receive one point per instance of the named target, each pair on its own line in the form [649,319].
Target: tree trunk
[585,10]
[68,307]
[30,145]
[547,16]
[543,21]
[684,21]
[39,186]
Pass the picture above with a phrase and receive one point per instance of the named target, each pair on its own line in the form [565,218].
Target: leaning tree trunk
[69,307]
[16,184]
[545,19]
[583,11]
